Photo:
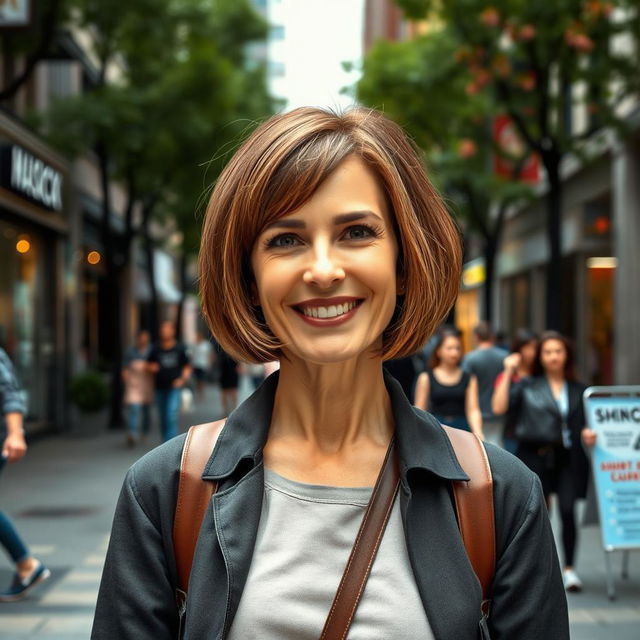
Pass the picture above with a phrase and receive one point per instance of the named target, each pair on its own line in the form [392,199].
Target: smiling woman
[326,247]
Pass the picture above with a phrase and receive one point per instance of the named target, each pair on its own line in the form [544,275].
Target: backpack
[473,503]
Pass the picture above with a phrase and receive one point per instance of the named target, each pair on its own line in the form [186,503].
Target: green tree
[182,80]
[537,62]
[420,85]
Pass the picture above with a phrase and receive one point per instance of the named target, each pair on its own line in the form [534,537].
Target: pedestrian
[550,427]
[229,380]
[29,571]
[169,362]
[138,388]
[202,360]
[337,255]
[448,391]
[485,363]
[519,365]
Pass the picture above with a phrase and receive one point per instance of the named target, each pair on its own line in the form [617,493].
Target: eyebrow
[342,218]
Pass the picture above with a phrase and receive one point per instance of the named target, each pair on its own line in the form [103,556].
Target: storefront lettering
[35,179]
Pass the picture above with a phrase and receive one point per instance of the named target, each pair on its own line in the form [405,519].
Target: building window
[277,32]
[276,69]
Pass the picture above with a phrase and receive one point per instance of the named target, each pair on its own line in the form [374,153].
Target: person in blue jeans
[29,570]
[169,361]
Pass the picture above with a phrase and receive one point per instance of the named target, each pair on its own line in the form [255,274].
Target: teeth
[332,311]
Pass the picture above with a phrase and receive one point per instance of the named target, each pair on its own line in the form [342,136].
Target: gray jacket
[11,398]
[136,599]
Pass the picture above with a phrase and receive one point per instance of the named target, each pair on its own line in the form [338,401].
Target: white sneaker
[571,580]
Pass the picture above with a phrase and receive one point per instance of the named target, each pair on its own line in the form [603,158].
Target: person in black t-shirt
[169,362]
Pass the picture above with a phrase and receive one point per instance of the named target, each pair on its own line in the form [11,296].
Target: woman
[29,571]
[337,254]
[550,429]
[450,393]
[520,363]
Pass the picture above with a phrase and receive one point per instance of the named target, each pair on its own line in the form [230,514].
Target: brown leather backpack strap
[474,506]
[364,549]
[194,495]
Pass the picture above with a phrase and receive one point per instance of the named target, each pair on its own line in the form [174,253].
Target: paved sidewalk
[62,496]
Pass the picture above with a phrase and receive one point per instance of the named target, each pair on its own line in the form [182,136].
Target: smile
[330,313]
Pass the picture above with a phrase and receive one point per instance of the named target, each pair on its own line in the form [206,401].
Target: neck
[332,406]
[449,367]
[167,344]
[555,376]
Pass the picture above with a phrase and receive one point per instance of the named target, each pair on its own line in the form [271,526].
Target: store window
[27,287]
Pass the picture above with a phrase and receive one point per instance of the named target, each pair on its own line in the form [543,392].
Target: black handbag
[538,419]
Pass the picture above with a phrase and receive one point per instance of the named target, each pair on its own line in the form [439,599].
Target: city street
[62,496]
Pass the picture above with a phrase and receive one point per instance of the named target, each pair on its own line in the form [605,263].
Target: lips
[327,309]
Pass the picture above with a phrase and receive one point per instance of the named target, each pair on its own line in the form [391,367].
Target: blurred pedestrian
[519,364]
[138,388]
[202,359]
[326,247]
[485,363]
[228,382]
[550,426]
[29,571]
[169,361]
[448,391]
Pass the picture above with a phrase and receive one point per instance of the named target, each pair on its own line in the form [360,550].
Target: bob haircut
[569,364]
[275,171]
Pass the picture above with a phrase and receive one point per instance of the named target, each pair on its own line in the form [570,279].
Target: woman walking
[519,365]
[550,429]
[337,254]
[449,392]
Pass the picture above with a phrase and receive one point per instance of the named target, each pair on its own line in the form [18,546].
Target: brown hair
[569,365]
[448,332]
[275,171]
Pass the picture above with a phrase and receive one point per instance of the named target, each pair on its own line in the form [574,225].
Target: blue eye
[283,241]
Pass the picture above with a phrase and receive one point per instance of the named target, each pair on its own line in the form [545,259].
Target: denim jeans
[9,537]
[133,414]
[168,401]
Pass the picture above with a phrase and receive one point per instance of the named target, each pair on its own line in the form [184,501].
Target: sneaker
[20,587]
[571,580]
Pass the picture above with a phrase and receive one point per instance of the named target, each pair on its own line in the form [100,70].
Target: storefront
[33,232]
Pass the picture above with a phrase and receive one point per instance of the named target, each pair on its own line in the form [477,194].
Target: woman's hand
[512,362]
[589,437]
[14,447]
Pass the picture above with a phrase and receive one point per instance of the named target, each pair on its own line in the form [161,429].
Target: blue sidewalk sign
[614,414]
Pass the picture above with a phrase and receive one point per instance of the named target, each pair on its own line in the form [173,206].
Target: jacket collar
[422,443]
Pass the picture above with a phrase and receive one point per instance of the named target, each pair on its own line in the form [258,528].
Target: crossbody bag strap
[364,549]
[194,495]
[474,506]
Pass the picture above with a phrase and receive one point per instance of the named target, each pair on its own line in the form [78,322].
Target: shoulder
[153,479]
[517,494]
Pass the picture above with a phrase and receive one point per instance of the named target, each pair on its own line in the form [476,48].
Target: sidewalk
[62,497]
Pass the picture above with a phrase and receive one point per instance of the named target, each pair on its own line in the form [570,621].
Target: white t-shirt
[304,539]
[201,354]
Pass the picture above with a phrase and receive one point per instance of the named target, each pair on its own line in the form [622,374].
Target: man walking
[169,362]
[486,362]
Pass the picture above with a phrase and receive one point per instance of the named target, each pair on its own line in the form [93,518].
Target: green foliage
[89,391]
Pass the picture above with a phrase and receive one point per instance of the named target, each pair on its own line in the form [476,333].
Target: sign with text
[15,13]
[30,177]
[614,414]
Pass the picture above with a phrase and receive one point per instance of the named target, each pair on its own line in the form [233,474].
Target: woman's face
[553,356]
[450,351]
[326,273]
[528,353]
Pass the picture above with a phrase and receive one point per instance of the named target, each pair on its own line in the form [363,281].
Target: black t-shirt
[171,363]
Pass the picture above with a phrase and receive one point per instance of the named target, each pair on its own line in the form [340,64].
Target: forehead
[552,344]
[352,186]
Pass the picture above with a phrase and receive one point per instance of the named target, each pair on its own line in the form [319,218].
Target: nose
[323,270]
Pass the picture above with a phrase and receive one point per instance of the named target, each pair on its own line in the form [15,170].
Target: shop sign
[32,178]
[615,417]
[15,13]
